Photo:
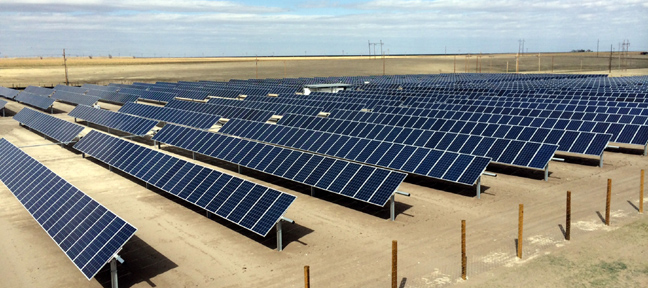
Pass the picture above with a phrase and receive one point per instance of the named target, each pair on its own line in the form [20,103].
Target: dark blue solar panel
[88,233]
[55,128]
[118,121]
[168,173]
[294,165]
[39,101]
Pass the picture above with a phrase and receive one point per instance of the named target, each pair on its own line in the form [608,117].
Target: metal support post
[113,273]
[52,109]
[601,161]
[392,207]
[645,150]
[75,120]
[83,155]
[3,112]
[159,145]
[193,155]
[207,214]
[546,172]
[478,187]
[109,168]
[279,244]
[239,168]
[312,191]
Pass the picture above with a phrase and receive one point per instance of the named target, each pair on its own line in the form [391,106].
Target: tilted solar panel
[503,151]
[222,110]
[39,90]
[254,207]
[58,129]
[171,115]
[39,101]
[114,120]
[75,98]
[86,231]
[442,165]
[360,182]
[8,92]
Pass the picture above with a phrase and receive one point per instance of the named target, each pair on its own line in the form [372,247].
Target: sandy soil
[345,243]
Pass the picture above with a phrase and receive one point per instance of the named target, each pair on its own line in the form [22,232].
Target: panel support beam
[392,207]
[113,274]
[546,173]
[193,155]
[312,191]
[280,232]
[601,161]
[207,214]
[478,187]
[645,150]
[239,168]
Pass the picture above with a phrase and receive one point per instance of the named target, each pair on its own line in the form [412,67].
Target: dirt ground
[346,243]
[22,72]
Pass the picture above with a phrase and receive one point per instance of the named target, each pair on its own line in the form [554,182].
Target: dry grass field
[22,72]
[345,243]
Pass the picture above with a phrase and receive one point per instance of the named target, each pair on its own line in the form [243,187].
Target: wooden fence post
[463,250]
[307,276]
[607,202]
[394,264]
[641,198]
[520,228]
[568,220]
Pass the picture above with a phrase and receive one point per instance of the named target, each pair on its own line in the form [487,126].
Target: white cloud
[125,5]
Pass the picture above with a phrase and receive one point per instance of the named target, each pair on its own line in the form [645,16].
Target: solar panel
[157,96]
[55,128]
[428,162]
[2,103]
[86,231]
[39,90]
[41,102]
[73,89]
[113,96]
[8,92]
[75,98]
[171,115]
[114,120]
[222,110]
[336,176]
[254,207]
[510,152]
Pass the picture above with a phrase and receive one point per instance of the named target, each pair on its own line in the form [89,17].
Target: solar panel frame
[123,122]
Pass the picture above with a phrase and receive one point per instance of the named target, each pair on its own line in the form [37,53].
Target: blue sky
[318,27]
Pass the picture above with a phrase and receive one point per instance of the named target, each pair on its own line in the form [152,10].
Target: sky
[194,28]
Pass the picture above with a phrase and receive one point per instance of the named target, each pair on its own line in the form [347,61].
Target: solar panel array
[277,108]
[627,129]
[2,103]
[72,89]
[55,128]
[114,120]
[35,100]
[502,151]
[442,165]
[254,207]
[75,98]
[8,92]
[112,96]
[171,115]
[86,231]
[568,141]
[222,110]
[361,182]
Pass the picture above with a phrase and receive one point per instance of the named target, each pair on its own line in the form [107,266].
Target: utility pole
[66,71]
[381,52]
[256,64]
[610,65]
[597,47]
[369,43]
